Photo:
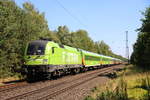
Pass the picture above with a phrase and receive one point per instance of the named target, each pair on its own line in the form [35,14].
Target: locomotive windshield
[36,47]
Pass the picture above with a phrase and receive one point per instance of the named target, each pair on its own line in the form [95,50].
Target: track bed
[70,87]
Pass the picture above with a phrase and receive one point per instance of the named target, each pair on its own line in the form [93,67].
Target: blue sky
[105,20]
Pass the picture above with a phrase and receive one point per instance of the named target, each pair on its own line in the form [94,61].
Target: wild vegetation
[141,54]
[131,84]
[18,26]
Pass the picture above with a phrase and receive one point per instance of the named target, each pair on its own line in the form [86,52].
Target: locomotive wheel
[75,71]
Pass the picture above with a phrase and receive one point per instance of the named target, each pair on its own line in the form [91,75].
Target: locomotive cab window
[36,48]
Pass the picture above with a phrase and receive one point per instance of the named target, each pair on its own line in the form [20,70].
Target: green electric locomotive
[46,58]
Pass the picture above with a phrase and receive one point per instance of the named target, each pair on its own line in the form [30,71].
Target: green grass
[118,93]
[131,84]
[89,98]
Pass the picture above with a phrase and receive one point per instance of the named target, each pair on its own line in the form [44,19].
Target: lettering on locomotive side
[63,56]
[71,57]
[75,57]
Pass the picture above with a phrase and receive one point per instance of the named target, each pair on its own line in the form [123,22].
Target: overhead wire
[73,16]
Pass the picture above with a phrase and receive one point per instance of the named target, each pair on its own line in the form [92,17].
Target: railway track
[10,87]
[55,93]
[5,89]
[59,91]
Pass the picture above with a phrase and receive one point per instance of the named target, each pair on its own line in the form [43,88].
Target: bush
[120,92]
[145,84]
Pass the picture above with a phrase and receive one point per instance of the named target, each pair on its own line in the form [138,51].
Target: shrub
[119,93]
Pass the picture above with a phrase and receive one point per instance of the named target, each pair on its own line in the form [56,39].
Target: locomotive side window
[53,50]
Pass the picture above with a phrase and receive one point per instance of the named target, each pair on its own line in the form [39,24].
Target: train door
[53,55]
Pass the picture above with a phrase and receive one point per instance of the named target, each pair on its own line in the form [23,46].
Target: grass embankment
[131,84]
[11,79]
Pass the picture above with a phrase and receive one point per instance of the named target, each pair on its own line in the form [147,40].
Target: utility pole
[127,47]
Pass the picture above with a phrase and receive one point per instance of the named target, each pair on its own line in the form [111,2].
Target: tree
[63,35]
[9,32]
[80,39]
[18,26]
[141,54]
[103,48]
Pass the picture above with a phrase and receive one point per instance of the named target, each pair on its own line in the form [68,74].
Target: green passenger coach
[46,58]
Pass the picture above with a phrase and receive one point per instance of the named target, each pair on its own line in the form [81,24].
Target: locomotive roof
[39,42]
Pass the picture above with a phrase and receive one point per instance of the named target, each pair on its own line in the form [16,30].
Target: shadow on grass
[111,75]
[14,81]
[142,87]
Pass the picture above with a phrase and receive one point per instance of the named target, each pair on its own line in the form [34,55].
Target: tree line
[141,49]
[18,26]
